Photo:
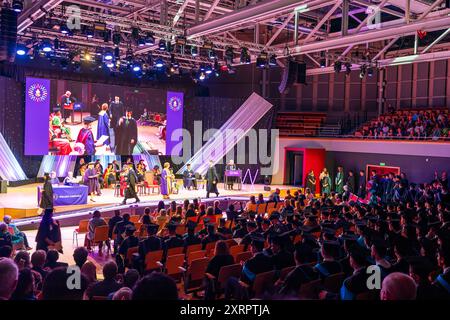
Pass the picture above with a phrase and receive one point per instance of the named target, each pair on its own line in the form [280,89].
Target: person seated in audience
[303,273]
[22,260]
[241,229]
[38,259]
[19,239]
[173,240]
[5,236]
[224,231]
[252,230]
[420,270]
[80,256]
[89,270]
[109,284]
[357,282]
[120,228]
[155,286]
[442,281]
[25,288]
[123,294]
[94,222]
[257,264]
[190,237]
[129,279]
[231,212]
[275,196]
[398,286]
[130,241]
[401,250]
[329,265]
[378,253]
[149,244]
[9,275]
[281,258]
[52,260]
[55,286]
[212,236]
[221,258]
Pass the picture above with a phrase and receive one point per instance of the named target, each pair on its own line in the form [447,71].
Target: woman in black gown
[49,233]
[47,194]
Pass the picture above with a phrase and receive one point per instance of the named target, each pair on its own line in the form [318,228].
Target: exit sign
[382,164]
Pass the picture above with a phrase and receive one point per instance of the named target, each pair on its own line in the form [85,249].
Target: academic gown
[165,182]
[47,196]
[188,179]
[311,183]
[126,131]
[103,126]
[211,177]
[86,137]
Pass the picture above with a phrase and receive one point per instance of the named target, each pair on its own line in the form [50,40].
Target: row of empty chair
[299,123]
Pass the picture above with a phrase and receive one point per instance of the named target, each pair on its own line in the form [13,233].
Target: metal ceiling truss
[297,27]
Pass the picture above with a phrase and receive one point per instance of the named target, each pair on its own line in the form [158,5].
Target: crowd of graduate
[303,247]
[411,125]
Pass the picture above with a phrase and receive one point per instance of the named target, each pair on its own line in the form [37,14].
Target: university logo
[55,197]
[37,92]
[175,103]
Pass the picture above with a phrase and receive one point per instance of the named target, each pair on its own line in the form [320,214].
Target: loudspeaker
[3,186]
[289,77]
[447,4]
[267,188]
[301,72]
[8,34]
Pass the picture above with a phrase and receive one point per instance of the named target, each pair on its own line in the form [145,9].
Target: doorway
[294,168]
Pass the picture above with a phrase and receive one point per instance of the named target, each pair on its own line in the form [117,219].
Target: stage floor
[21,202]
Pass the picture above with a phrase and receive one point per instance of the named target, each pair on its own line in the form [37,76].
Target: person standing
[103,124]
[325,181]
[132,179]
[49,233]
[116,112]
[166,181]
[339,180]
[127,133]
[362,185]
[86,137]
[91,180]
[66,103]
[230,180]
[311,182]
[351,182]
[211,180]
[47,194]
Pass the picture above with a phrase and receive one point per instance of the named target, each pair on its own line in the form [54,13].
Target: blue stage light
[21,50]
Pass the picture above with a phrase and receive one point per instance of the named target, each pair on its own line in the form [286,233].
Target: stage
[21,202]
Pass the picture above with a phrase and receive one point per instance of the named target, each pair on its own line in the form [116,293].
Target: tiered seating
[299,123]
[411,124]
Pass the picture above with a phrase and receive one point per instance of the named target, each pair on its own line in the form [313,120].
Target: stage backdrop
[37,111]
[175,106]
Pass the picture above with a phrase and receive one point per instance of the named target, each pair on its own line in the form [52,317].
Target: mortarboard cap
[257,239]
[88,119]
[152,228]
[130,228]
[191,225]
[172,226]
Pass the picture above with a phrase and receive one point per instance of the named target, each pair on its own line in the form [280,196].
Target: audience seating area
[413,124]
[299,123]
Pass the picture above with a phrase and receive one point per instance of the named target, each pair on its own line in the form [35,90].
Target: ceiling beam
[36,11]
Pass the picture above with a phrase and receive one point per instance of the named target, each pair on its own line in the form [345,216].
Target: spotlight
[89,32]
[323,63]
[162,45]
[370,71]
[261,60]
[229,55]
[63,28]
[87,56]
[21,50]
[117,53]
[141,42]
[159,63]
[337,66]
[46,46]
[17,6]
[108,56]
[273,60]
[362,72]
[348,68]
[135,33]
[208,69]
[137,66]
[149,39]
[202,76]
[194,51]
[174,62]
[245,57]
[212,54]
[110,64]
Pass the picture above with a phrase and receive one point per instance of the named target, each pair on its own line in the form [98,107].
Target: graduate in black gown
[116,112]
[189,178]
[127,134]
[211,180]
[49,232]
[47,194]
[130,191]
[311,182]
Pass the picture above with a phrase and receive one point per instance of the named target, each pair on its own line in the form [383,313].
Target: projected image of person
[116,112]
[103,124]
[86,137]
[127,134]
